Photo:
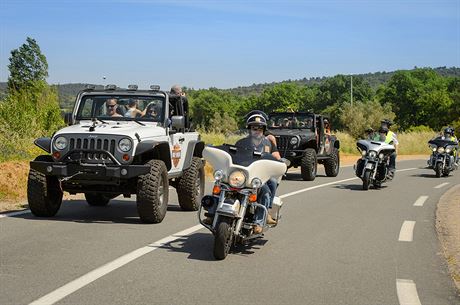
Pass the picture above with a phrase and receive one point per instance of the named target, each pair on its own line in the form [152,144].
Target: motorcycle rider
[449,135]
[391,138]
[257,125]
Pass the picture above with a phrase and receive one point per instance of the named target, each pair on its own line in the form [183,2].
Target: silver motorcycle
[443,160]
[231,209]
[372,168]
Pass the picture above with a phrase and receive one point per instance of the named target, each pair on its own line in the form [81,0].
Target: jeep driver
[104,153]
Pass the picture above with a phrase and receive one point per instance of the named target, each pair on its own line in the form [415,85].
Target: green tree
[28,66]
[362,115]
[419,97]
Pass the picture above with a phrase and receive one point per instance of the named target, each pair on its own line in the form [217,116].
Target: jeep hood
[112,128]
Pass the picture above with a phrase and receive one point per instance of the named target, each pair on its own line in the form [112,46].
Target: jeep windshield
[122,108]
[290,121]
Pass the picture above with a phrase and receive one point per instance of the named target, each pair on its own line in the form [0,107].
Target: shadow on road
[117,211]
[297,177]
[356,187]
[432,176]
[199,246]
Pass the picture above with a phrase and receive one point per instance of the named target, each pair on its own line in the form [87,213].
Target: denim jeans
[265,196]
[273,185]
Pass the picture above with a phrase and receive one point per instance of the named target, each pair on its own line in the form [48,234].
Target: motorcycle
[442,160]
[239,175]
[372,168]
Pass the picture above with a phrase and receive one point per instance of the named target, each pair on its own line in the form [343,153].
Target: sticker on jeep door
[176,154]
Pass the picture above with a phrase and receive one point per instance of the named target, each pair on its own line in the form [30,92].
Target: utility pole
[351,90]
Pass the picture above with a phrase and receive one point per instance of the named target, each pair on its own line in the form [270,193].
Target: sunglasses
[110,106]
[256,128]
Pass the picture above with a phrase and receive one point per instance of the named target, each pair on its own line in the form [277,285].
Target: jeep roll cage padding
[150,149]
[44,143]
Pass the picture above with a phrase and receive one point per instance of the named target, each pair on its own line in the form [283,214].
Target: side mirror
[178,122]
[68,118]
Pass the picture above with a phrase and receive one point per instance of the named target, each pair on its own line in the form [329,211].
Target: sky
[225,44]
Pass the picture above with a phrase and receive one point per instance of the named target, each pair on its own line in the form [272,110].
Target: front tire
[95,199]
[438,169]
[190,188]
[332,165]
[222,240]
[309,165]
[152,193]
[44,193]
[366,180]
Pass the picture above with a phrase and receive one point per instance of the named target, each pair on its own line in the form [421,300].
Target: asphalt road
[336,244]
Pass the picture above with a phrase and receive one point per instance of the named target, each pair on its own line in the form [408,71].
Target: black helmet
[257,112]
[387,122]
[449,130]
[383,129]
[256,119]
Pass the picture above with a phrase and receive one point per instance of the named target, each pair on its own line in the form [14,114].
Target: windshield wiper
[98,119]
[139,122]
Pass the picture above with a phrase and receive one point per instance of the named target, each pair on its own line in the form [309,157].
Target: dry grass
[13,184]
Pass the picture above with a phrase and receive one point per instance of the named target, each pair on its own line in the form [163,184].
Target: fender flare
[194,149]
[337,144]
[158,149]
[44,143]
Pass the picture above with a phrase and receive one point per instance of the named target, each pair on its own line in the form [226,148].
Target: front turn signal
[253,198]
[216,190]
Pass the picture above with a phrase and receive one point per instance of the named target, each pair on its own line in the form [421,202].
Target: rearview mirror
[178,122]
[68,118]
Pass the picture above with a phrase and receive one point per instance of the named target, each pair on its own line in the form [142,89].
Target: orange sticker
[176,154]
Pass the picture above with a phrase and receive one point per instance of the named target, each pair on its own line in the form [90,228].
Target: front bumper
[94,171]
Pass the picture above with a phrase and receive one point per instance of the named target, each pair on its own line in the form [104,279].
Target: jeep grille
[283,142]
[91,144]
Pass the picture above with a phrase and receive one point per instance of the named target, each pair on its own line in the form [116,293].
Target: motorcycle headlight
[60,143]
[381,156]
[294,140]
[125,145]
[218,175]
[237,179]
[434,148]
[372,154]
[448,149]
[256,183]
[363,153]
[441,150]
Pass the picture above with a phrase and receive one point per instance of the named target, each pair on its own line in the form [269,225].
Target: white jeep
[121,142]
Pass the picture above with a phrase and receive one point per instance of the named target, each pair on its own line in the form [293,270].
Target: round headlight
[125,145]
[218,175]
[60,143]
[441,150]
[256,183]
[381,156]
[372,154]
[237,179]
[448,150]
[363,153]
[434,148]
[294,140]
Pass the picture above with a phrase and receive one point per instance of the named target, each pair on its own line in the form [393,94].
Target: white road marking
[407,292]
[10,214]
[441,185]
[407,231]
[420,201]
[90,277]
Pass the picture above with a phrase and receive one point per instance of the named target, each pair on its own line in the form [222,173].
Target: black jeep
[302,138]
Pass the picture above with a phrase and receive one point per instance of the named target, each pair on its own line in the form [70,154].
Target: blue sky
[229,43]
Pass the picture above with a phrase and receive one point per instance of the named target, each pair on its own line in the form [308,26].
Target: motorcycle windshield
[244,156]
[439,142]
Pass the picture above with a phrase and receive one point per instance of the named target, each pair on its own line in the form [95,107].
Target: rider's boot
[257,229]
[270,220]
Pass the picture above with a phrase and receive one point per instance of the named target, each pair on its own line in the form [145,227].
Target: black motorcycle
[442,160]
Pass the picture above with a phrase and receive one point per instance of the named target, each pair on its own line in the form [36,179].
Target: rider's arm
[275,152]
